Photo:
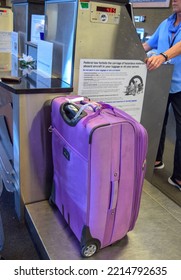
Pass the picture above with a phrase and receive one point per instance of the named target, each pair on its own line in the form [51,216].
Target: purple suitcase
[99,161]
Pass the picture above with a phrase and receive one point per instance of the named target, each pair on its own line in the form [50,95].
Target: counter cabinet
[25,143]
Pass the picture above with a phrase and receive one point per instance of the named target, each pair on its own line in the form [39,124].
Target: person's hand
[154,62]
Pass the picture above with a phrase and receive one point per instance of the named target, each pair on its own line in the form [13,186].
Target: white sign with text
[121,83]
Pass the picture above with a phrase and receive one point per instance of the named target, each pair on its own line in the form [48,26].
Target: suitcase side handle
[114,195]
[117,112]
[104,106]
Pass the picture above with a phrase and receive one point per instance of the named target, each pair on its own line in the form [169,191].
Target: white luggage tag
[76,99]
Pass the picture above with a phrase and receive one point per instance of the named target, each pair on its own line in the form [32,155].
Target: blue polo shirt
[162,40]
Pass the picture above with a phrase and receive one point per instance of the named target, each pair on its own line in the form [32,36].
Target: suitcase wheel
[89,249]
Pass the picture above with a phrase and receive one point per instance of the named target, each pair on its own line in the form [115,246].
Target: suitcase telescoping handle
[84,102]
[72,113]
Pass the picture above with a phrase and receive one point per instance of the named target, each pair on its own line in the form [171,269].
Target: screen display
[106,9]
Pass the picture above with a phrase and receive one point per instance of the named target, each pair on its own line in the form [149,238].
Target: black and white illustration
[135,86]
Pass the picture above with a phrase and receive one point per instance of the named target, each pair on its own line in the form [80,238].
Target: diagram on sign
[135,86]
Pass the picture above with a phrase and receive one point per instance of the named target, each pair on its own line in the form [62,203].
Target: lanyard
[171,42]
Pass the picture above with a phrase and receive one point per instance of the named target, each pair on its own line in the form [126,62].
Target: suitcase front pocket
[71,181]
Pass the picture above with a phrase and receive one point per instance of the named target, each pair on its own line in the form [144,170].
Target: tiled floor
[18,244]
[155,236]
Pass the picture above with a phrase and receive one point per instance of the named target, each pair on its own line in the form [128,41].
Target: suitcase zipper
[139,178]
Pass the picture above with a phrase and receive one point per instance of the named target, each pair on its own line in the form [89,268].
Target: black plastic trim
[70,120]
[96,127]
[87,237]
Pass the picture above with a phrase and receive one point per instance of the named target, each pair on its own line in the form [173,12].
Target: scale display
[106,13]
[106,9]
[3,12]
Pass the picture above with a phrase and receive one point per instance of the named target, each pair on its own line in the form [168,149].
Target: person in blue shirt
[167,41]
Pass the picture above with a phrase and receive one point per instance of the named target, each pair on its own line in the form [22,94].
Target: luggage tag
[74,100]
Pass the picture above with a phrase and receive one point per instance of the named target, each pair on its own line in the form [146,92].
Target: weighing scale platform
[55,240]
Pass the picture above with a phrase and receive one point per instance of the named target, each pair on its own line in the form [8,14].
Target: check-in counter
[25,140]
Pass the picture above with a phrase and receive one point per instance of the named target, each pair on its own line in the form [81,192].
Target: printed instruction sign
[5,42]
[37,26]
[44,57]
[14,43]
[120,83]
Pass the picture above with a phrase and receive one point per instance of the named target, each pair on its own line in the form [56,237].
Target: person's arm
[146,47]
[174,51]
[154,62]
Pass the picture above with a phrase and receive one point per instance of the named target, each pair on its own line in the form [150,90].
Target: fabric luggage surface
[99,157]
